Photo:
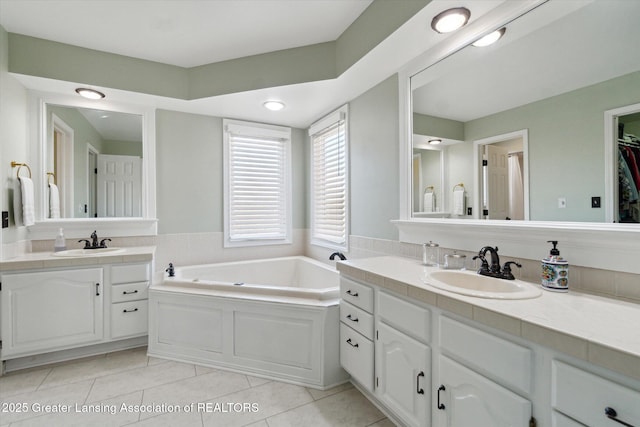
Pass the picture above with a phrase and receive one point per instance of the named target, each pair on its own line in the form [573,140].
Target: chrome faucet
[494,270]
[94,242]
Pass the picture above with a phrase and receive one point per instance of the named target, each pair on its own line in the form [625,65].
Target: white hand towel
[459,201]
[54,201]
[28,204]
[429,202]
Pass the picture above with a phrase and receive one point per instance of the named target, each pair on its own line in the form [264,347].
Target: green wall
[374,169]
[566,150]
[189,173]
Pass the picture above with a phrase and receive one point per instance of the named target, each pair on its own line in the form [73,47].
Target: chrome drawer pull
[612,414]
[353,294]
[352,344]
[129,311]
[353,319]
[128,293]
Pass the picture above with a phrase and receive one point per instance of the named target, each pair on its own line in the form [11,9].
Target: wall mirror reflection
[554,74]
[92,163]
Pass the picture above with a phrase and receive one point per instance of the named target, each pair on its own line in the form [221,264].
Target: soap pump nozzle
[554,251]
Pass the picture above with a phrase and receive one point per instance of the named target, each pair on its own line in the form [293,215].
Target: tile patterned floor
[129,388]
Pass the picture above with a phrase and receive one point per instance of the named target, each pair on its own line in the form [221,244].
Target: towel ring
[458,185]
[20,165]
[49,175]
[429,189]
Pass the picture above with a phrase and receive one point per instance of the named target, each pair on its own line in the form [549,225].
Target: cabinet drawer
[129,318]
[405,316]
[496,357]
[356,356]
[357,319]
[129,292]
[559,420]
[584,396]
[129,273]
[357,294]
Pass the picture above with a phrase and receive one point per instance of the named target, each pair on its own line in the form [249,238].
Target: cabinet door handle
[440,405]
[418,389]
[352,344]
[353,294]
[353,319]
[97,289]
[612,414]
[130,311]
[128,293]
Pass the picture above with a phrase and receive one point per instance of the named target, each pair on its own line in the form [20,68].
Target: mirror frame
[610,246]
[46,228]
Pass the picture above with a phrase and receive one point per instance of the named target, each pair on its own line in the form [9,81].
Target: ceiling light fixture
[450,19]
[89,93]
[274,105]
[435,141]
[490,38]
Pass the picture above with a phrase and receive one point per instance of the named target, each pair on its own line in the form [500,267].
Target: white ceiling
[582,43]
[186,33]
[190,32]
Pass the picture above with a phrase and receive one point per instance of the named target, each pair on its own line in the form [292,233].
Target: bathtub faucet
[339,255]
[171,270]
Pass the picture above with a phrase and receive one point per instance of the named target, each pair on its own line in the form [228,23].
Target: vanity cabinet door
[403,376]
[466,398]
[51,310]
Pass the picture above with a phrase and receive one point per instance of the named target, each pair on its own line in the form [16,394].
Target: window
[329,206]
[257,179]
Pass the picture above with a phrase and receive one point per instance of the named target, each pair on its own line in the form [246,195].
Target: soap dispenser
[555,271]
[60,244]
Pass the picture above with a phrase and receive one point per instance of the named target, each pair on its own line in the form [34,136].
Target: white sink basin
[475,285]
[88,252]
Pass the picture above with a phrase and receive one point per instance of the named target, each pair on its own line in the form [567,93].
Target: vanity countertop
[36,260]
[599,330]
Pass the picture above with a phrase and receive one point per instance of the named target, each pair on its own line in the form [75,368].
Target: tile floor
[129,388]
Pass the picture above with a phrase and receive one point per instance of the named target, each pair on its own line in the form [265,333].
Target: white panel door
[403,369]
[467,398]
[498,182]
[119,186]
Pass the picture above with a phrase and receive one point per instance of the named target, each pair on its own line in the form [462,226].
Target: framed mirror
[554,73]
[93,163]
[100,157]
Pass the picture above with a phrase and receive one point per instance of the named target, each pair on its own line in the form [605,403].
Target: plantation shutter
[329,181]
[258,187]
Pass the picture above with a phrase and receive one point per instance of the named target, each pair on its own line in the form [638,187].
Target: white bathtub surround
[133,378]
[205,248]
[281,322]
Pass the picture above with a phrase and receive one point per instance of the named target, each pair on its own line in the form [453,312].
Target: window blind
[258,186]
[329,217]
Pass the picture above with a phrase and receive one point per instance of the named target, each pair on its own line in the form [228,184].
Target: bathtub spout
[171,270]
[339,255]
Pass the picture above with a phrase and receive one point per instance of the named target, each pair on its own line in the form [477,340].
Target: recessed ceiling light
[450,19]
[490,38]
[435,141]
[274,105]
[89,93]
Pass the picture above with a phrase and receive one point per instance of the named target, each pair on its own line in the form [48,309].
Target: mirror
[553,74]
[93,163]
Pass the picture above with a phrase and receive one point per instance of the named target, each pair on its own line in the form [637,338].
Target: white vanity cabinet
[356,331]
[466,398]
[52,309]
[129,300]
[403,359]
